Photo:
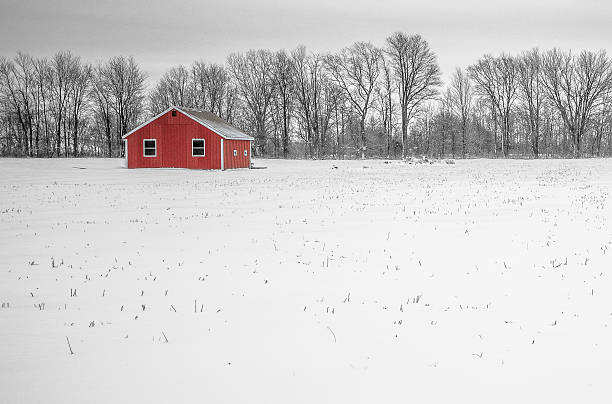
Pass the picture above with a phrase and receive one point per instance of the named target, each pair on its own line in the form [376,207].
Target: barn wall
[174,135]
[240,161]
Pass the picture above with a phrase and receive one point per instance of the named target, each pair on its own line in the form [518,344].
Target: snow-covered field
[483,282]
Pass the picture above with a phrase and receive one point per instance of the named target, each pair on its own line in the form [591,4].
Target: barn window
[149,147]
[245,153]
[173,113]
[197,148]
[235,152]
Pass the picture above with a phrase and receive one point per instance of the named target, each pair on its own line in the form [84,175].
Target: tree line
[61,106]
[363,101]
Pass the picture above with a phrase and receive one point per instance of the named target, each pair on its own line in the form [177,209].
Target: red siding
[173,136]
[239,161]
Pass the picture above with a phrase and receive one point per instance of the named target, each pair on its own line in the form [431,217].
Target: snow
[482,281]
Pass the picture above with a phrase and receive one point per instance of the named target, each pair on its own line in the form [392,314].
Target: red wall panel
[238,161]
[173,135]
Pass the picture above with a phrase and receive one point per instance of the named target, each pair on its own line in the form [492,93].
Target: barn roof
[207,119]
[216,124]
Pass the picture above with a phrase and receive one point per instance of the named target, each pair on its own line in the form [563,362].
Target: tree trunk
[404,130]
[285,130]
[363,139]
[463,135]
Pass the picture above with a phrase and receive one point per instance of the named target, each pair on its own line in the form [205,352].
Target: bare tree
[125,83]
[355,70]
[603,124]
[42,78]
[61,65]
[446,122]
[252,74]
[496,78]
[385,91]
[309,77]
[461,96]
[530,78]
[227,109]
[80,80]
[18,84]
[283,79]
[213,80]
[101,95]
[417,73]
[176,84]
[175,88]
[337,103]
[575,85]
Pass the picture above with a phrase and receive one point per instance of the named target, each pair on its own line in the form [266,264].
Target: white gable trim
[184,113]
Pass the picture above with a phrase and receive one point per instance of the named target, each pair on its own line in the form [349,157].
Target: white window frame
[143,147]
[235,152]
[246,154]
[204,147]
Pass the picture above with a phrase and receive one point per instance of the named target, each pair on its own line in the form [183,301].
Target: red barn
[187,138]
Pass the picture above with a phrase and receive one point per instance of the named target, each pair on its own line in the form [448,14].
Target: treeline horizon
[363,101]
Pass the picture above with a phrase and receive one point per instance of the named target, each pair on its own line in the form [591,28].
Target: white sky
[160,34]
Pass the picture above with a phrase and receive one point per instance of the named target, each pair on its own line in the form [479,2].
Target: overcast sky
[160,33]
